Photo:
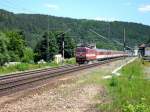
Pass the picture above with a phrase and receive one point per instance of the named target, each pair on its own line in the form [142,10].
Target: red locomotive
[85,54]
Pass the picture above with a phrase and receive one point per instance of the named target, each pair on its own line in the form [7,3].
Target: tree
[53,46]
[13,56]
[148,42]
[28,55]
[34,26]
[69,46]
[16,45]
[47,47]
[4,56]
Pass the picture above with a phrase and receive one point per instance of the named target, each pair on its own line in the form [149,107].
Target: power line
[119,43]
[105,37]
[98,34]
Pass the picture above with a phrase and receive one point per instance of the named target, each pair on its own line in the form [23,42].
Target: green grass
[70,61]
[25,66]
[129,92]
[22,67]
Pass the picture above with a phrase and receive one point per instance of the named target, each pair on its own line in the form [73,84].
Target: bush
[28,55]
[140,107]
[113,82]
[13,57]
[131,86]
[22,67]
[70,61]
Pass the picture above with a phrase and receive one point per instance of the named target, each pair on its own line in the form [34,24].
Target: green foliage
[4,56]
[51,44]
[47,47]
[70,61]
[148,41]
[13,57]
[12,45]
[28,55]
[114,82]
[35,25]
[31,27]
[16,43]
[27,66]
[69,45]
[140,107]
[129,92]
[22,67]
[3,42]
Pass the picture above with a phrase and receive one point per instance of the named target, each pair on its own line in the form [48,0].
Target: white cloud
[144,8]
[105,19]
[52,6]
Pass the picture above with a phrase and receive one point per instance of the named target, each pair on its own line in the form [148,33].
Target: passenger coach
[85,54]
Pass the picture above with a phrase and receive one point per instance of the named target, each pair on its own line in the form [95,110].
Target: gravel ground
[66,98]
[71,95]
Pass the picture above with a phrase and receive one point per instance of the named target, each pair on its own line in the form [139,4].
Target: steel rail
[10,84]
[14,75]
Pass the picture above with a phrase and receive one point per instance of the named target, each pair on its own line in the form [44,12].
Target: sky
[108,10]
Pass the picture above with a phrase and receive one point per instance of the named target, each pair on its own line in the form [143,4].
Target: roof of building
[144,45]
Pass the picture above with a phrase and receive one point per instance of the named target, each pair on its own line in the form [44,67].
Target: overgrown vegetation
[129,92]
[51,44]
[27,66]
[70,61]
[13,47]
[24,66]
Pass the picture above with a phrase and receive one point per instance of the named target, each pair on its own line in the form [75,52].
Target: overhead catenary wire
[119,43]
[98,34]
[12,5]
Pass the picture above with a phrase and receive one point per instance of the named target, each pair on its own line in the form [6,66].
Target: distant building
[144,51]
[135,53]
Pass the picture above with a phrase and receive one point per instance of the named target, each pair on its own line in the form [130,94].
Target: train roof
[106,50]
[100,49]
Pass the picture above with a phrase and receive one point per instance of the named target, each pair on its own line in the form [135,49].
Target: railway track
[20,81]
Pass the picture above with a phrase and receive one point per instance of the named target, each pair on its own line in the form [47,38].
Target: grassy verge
[129,92]
[70,61]
[26,66]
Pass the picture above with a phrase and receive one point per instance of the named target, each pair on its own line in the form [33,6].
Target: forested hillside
[35,25]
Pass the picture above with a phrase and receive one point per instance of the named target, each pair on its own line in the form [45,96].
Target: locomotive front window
[81,50]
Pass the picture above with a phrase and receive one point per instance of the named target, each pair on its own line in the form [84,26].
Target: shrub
[140,107]
[28,55]
[113,82]
[22,67]
[70,61]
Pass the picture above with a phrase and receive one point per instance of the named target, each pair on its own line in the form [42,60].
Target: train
[86,54]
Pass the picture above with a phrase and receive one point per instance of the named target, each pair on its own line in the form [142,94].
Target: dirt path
[76,93]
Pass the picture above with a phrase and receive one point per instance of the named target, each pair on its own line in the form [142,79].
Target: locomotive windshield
[80,50]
